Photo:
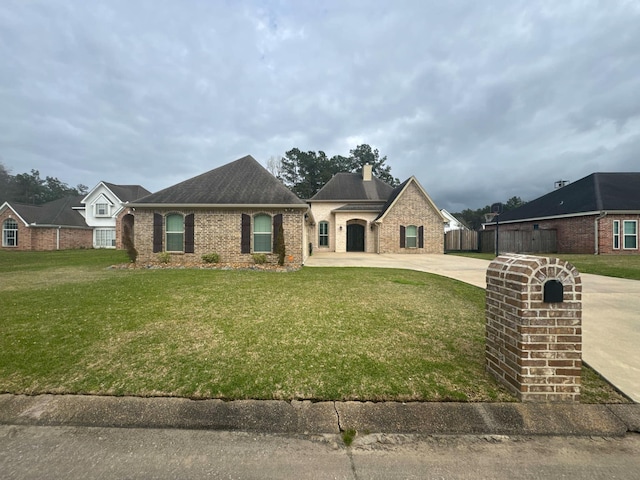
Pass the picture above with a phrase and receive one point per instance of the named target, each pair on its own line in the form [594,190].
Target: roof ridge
[597,191]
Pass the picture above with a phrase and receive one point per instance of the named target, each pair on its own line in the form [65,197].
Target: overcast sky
[480,100]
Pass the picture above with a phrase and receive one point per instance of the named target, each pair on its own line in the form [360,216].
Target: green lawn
[621,266]
[71,325]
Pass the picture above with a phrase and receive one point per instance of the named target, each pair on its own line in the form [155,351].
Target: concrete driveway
[610,308]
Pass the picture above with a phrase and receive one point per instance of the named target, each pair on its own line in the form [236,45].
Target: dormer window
[102,209]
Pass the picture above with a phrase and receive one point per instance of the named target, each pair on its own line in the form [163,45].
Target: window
[323,234]
[175,232]
[262,233]
[630,233]
[10,233]
[102,209]
[411,240]
[616,234]
[105,238]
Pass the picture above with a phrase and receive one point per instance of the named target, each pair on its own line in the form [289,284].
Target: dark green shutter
[189,240]
[421,237]
[157,233]
[245,242]
[402,236]
[277,221]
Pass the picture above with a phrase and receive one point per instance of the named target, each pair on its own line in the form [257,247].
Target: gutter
[596,223]
[52,225]
[238,206]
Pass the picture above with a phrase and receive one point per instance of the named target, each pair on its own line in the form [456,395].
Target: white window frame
[626,235]
[107,209]
[10,235]
[262,234]
[173,232]
[616,234]
[411,239]
[104,238]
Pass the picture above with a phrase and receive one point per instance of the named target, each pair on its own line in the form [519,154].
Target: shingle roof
[394,194]
[127,193]
[360,207]
[57,212]
[593,193]
[350,187]
[242,182]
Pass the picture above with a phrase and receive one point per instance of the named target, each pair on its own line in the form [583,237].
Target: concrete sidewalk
[610,308]
[317,418]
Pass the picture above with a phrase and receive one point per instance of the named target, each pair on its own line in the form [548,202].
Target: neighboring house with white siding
[452,222]
[69,222]
[101,207]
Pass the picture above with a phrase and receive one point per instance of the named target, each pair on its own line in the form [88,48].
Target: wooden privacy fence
[461,240]
[519,241]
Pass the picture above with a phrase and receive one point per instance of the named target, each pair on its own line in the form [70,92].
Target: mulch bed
[271,267]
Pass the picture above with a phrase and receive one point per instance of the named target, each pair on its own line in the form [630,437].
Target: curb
[306,417]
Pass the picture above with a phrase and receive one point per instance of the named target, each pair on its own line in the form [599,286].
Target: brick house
[54,225]
[597,214]
[360,213]
[71,222]
[234,210]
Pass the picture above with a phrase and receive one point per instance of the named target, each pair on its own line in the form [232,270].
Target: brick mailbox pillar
[534,327]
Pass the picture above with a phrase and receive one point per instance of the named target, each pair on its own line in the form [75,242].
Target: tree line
[475,218]
[31,189]
[305,173]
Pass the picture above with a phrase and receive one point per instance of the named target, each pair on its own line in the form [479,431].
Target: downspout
[596,224]
[58,238]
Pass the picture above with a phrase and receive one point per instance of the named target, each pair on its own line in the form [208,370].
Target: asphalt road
[29,452]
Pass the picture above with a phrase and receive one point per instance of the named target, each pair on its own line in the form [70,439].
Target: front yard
[72,325]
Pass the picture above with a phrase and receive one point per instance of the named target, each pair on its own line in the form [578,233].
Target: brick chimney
[366,172]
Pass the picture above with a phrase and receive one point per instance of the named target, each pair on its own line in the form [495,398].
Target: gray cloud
[479,100]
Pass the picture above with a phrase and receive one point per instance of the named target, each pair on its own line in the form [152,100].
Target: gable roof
[399,190]
[452,218]
[56,213]
[350,187]
[127,193]
[241,182]
[592,194]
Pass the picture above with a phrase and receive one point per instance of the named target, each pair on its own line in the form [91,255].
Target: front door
[355,238]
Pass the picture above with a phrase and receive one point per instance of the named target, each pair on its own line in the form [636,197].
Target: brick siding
[48,238]
[534,348]
[577,234]
[412,208]
[216,231]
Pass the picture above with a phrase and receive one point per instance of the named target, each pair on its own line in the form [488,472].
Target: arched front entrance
[355,237]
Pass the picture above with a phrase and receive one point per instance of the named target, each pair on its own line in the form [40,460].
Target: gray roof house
[72,222]
[598,214]
[54,225]
[235,210]
[357,212]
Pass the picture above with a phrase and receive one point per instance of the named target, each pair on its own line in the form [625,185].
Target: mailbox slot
[553,291]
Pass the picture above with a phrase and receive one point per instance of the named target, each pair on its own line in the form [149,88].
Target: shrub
[132,253]
[211,258]
[259,258]
[164,257]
